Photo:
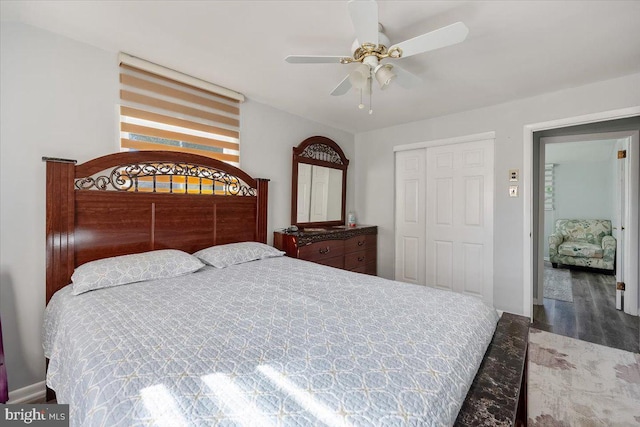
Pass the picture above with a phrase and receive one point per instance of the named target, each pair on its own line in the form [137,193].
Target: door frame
[627,218]
[527,187]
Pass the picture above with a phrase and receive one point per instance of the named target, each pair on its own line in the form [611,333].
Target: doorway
[581,216]
[627,120]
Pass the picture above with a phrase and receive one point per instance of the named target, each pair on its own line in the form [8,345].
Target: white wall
[583,190]
[375,168]
[58,99]
[267,139]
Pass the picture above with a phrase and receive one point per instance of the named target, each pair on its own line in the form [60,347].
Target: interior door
[410,216]
[319,194]
[619,229]
[459,218]
[628,183]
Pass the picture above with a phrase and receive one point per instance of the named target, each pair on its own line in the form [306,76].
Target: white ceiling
[515,49]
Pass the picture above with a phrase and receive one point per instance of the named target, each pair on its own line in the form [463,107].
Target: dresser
[352,248]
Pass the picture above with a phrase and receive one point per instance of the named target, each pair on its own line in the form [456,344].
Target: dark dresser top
[317,234]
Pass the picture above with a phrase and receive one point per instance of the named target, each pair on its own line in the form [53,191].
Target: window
[164,110]
[548,186]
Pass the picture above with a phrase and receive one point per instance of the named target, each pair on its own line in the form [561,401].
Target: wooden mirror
[319,183]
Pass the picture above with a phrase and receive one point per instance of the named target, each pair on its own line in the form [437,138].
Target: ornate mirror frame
[319,151]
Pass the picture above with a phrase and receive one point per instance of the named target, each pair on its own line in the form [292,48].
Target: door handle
[324,251]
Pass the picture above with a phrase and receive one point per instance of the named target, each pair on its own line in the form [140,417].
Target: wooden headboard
[133,202]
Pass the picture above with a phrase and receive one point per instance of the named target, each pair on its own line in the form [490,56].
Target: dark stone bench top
[496,390]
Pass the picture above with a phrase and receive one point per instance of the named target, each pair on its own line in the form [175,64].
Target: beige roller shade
[161,113]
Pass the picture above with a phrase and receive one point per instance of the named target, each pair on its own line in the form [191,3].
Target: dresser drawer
[369,268]
[322,250]
[341,249]
[356,260]
[360,243]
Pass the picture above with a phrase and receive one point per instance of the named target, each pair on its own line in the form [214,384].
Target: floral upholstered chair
[584,243]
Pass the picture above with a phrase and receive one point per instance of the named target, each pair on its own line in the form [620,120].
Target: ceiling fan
[372,46]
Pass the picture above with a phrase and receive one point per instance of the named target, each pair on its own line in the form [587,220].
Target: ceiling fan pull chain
[370,97]
[361,105]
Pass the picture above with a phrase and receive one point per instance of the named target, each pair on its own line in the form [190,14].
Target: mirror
[319,193]
[319,183]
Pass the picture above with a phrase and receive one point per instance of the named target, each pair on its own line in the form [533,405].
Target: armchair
[584,243]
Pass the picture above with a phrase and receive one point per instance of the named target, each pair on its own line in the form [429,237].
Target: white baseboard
[29,394]
[499,312]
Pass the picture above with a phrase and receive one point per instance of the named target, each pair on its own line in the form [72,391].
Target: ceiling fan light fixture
[360,76]
[372,46]
[384,75]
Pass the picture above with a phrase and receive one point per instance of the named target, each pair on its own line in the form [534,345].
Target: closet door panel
[410,219]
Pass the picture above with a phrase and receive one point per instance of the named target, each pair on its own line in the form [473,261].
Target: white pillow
[222,256]
[121,270]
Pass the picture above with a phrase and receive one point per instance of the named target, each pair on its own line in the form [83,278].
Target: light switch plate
[513,191]
[514,175]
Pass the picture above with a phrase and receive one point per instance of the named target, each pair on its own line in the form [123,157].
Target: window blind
[162,113]
[548,187]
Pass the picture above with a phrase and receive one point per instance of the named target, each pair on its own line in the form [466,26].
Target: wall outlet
[514,175]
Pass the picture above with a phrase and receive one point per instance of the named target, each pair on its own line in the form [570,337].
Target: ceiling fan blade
[405,78]
[364,15]
[445,36]
[342,88]
[313,59]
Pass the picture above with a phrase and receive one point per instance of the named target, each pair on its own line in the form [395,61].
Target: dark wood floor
[592,316]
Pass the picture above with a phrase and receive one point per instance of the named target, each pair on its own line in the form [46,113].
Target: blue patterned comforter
[276,342]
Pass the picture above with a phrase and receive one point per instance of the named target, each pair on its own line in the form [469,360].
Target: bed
[267,341]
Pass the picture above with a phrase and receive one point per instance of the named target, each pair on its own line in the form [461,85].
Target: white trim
[29,394]
[446,141]
[133,61]
[587,118]
[527,185]
[629,219]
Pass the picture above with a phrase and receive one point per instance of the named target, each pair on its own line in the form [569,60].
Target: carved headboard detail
[139,201]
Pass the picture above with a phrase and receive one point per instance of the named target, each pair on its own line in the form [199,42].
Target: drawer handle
[361,242]
[360,258]
[324,251]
